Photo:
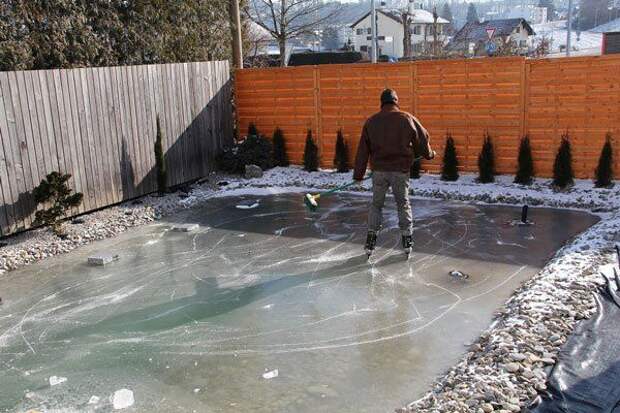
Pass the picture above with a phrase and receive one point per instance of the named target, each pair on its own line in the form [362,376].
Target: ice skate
[371,242]
[407,244]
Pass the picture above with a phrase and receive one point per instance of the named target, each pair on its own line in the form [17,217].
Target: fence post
[317,112]
[524,95]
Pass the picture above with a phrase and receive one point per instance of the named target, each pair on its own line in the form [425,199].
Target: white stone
[271,374]
[185,227]
[122,399]
[93,400]
[54,380]
[102,259]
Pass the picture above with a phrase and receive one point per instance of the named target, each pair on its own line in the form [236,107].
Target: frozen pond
[191,321]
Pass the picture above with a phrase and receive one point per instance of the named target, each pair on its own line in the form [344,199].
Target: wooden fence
[507,97]
[99,124]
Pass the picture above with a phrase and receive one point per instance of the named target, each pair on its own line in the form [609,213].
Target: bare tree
[286,19]
[406,18]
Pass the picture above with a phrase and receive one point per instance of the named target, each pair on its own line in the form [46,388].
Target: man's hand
[431,155]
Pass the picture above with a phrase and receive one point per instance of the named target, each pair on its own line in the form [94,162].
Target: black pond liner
[586,378]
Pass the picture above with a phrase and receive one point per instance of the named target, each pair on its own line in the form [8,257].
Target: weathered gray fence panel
[98,124]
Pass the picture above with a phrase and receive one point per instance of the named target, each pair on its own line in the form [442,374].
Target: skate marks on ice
[262,284]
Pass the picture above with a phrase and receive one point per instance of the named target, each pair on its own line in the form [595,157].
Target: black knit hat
[389,96]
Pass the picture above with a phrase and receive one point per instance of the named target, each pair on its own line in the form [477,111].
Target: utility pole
[569,27]
[235,20]
[373,24]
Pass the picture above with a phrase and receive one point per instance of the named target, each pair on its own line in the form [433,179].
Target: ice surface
[211,309]
[122,399]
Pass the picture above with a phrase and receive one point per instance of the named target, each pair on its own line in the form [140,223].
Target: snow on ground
[508,365]
[583,43]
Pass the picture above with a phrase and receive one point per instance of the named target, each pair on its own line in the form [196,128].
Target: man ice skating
[390,139]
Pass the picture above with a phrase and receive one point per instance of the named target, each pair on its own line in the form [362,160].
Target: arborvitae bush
[341,158]
[604,170]
[54,192]
[252,131]
[160,161]
[563,165]
[280,157]
[486,162]
[311,154]
[414,171]
[255,150]
[525,171]
[449,167]
[228,161]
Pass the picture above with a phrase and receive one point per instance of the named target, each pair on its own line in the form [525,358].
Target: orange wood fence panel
[507,98]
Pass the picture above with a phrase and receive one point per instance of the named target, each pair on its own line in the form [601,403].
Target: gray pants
[399,182]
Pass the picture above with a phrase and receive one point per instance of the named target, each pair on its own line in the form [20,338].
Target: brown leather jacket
[391,139]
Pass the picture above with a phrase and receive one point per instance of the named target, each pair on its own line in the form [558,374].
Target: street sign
[491,48]
[490,32]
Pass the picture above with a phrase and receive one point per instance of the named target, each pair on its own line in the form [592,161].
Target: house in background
[611,36]
[484,38]
[391,32]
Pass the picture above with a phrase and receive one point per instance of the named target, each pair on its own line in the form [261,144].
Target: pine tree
[446,13]
[562,167]
[252,131]
[604,170]
[160,160]
[472,14]
[311,154]
[525,171]
[486,162]
[280,157]
[449,168]
[414,171]
[341,158]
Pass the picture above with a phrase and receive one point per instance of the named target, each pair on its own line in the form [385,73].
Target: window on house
[523,43]
[363,48]
[417,29]
[359,32]
[369,30]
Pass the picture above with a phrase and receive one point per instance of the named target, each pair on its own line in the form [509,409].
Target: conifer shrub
[563,166]
[525,169]
[311,154]
[486,162]
[280,156]
[341,158]
[604,170]
[449,167]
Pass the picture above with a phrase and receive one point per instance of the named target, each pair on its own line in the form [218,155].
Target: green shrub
[341,158]
[449,167]
[54,191]
[252,131]
[563,165]
[311,154]
[486,162]
[525,171]
[604,170]
[160,161]
[228,161]
[280,157]
[255,150]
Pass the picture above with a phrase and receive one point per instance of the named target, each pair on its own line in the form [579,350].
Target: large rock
[253,171]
